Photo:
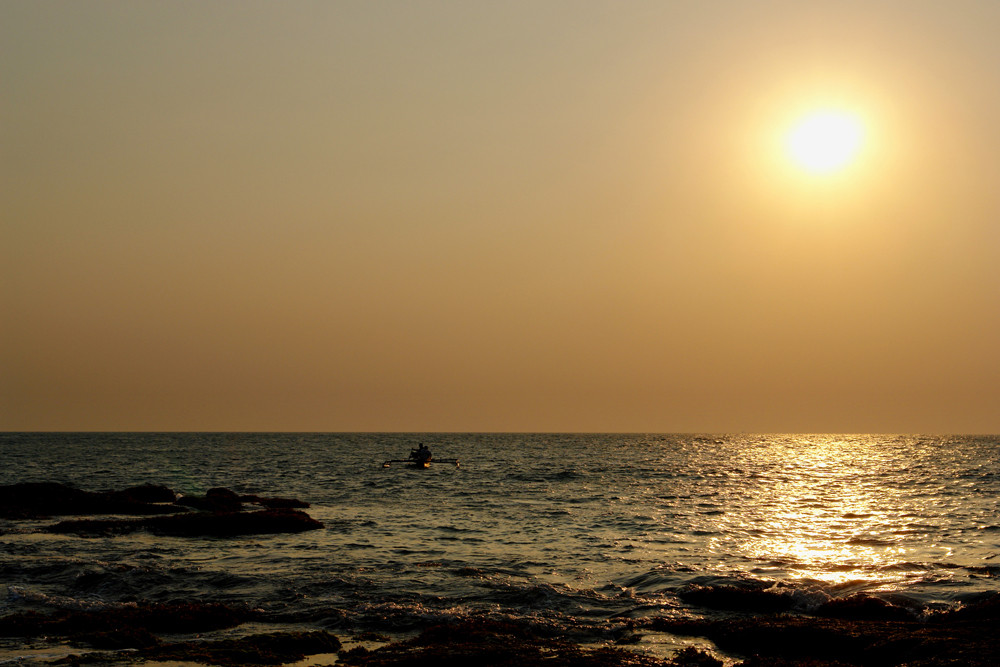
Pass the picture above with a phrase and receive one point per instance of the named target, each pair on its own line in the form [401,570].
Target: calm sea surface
[576,532]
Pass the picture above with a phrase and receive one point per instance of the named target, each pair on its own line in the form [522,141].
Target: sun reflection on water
[828,509]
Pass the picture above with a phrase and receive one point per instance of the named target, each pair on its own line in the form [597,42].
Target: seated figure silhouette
[421,454]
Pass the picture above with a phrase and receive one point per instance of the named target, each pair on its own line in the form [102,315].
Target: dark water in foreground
[576,532]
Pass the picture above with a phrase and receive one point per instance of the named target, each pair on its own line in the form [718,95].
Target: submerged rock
[125,620]
[801,641]
[145,493]
[215,500]
[234,523]
[225,500]
[221,514]
[275,503]
[134,628]
[736,598]
[197,524]
[262,649]
[493,644]
[863,607]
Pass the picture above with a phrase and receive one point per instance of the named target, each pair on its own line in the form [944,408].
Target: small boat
[420,459]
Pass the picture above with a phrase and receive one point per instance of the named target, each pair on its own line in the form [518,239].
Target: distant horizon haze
[439,216]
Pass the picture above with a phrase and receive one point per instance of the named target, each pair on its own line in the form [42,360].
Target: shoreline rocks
[219,513]
[197,524]
[782,640]
[122,633]
[33,500]
[859,634]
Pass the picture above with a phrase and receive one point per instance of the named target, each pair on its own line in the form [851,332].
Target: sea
[579,534]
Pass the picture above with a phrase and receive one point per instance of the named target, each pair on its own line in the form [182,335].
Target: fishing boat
[420,459]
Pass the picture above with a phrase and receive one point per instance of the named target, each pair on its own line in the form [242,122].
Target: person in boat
[421,454]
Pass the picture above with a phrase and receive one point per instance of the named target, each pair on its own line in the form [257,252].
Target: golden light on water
[824,513]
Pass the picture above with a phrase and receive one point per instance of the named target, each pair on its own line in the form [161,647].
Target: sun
[825,141]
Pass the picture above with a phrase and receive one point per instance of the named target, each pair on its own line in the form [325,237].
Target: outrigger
[420,458]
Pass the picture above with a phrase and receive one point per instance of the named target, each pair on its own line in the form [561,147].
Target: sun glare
[825,141]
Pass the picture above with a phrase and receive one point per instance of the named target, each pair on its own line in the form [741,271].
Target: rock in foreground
[262,649]
[492,644]
[965,637]
[125,619]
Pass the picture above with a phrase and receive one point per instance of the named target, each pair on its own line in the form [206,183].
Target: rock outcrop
[40,499]
[220,511]
[197,524]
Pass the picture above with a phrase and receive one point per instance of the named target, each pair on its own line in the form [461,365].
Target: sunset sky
[507,216]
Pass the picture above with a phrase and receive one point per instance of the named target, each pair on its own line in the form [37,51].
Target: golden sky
[516,216]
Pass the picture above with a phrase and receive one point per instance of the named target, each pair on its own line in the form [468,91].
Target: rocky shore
[129,634]
[219,513]
[966,636]
[133,635]
[755,628]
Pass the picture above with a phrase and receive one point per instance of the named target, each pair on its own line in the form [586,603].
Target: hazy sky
[503,216]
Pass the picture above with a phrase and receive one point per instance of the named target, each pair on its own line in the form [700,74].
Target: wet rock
[135,628]
[863,607]
[736,598]
[97,527]
[197,524]
[225,499]
[983,607]
[275,503]
[800,641]
[39,499]
[215,500]
[492,644]
[758,661]
[145,493]
[692,657]
[262,649]
[124,620]
[118,639]
[235,523]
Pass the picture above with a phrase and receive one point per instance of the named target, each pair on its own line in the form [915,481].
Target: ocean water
[575,532]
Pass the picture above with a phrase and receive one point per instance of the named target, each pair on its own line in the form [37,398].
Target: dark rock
[215,524]
[118,639]
[736,598]
[263,649]
[38,499]
[692,657]
[146,493]
[236,523]
[797,640]
[97,527]
[224,500]
[982,608]
[491,644]
[163,618]
[215,500]
[194,502]
[863,607]
[275,503]
[30,499]
[757,661]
